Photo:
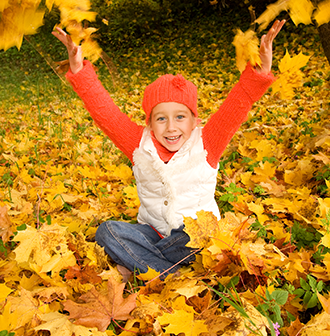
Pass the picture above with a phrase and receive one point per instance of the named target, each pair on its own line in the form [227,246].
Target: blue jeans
[138,246]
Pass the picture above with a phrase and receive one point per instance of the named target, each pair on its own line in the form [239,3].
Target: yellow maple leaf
[258,209]
[290,76]
[17,21]
[25,305]
[322,15]
[39,244]
[180,304]
[247,49]
[8,318]
[292,64]
[3,5]
[151,274]
[181,321]
[298,262]
[201,229]
[301,11]
[4,292]
[317,325]
[326,261]
[326,240]
[58,262]
[324,302]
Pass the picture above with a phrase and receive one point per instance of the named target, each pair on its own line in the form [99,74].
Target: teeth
[173,138]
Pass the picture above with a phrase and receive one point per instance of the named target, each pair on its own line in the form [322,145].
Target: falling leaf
[322,14]
[247,49]
[272,12]
[301,11]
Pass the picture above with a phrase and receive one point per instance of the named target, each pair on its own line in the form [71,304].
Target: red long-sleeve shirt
[126,134]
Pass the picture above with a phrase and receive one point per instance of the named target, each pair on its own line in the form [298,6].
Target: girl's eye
[161,119]
[180,116]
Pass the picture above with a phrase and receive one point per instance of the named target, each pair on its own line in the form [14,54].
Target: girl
[175,162]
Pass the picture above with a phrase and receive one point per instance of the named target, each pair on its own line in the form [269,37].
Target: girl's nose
[170,125]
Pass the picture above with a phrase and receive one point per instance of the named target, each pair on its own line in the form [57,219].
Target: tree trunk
[324,32]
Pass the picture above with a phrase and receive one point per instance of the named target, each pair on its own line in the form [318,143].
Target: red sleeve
[123,132]
[222,126]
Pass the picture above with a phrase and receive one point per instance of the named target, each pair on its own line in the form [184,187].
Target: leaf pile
[264,266]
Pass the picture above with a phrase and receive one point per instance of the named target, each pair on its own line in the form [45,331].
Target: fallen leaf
[99,309]
[5,225]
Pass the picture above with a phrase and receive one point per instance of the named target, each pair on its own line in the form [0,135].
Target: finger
[61,31]
[272,33]
[278,27]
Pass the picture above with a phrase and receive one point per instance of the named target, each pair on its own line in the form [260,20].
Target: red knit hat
[169,88]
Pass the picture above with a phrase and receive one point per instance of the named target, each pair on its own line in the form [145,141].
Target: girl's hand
[74,51]
[266,47]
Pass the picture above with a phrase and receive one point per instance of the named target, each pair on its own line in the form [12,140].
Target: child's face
[172,124]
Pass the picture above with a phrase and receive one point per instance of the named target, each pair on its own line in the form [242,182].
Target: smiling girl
[175,162]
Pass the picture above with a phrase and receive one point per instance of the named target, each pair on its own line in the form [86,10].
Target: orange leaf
[99,309]
[83,274]
[295,327]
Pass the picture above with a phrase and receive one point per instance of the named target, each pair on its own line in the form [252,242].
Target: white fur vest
[181,187]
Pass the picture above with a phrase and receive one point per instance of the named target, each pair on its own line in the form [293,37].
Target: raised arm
[123,132]
[252,85]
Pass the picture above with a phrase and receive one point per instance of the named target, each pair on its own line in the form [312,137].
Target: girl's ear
[197,121]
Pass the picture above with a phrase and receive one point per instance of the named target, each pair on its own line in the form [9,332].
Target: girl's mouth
[173,139]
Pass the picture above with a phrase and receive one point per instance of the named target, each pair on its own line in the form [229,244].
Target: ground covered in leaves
[263,268]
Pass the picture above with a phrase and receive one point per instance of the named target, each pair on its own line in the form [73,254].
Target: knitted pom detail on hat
[179,82]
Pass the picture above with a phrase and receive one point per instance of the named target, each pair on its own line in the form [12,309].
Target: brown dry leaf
[84,275]
[215,321]
[294,328]
[200,302]
[241,326]
[99,309]
[5,225]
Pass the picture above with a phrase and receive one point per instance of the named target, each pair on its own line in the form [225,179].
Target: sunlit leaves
[17,21]
[19,18]
[301,11]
